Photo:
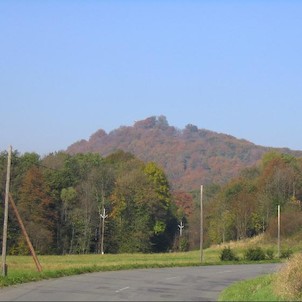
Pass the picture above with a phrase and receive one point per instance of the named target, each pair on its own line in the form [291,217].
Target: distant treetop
[152,122]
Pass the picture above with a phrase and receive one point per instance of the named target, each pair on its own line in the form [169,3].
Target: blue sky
[69,68]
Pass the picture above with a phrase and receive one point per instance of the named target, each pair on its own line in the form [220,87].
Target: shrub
[286,253]
[289,279]
[270,254]
[228,255]
[255,254]
[183,244]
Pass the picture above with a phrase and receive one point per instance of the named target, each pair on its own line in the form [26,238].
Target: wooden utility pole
[279,220]
[201,225]
[32,251]
[4,240]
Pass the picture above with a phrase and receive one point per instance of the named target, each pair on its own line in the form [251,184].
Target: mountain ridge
[189,156]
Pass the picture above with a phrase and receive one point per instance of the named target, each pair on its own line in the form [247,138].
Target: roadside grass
[269,287]
[257,289]
[288,283]
[22,269]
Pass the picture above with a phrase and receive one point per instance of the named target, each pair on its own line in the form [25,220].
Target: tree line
[247,205]
[62,198]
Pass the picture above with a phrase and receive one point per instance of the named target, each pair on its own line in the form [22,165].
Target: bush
[183,244]
[270,254]
[286,253]
[228,255]
[254,254]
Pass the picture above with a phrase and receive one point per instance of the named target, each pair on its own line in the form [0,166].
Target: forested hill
[190,156]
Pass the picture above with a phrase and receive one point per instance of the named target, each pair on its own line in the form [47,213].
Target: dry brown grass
[242,244]
[289,279]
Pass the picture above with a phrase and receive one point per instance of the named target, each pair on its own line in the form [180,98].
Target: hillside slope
[190,156]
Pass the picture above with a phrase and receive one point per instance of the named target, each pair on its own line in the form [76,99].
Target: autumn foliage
[190,156]
[147,193]
[61,199]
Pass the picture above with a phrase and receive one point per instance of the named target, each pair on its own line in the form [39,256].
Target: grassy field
[22,269]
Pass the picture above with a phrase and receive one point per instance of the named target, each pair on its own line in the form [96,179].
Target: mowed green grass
[23,269]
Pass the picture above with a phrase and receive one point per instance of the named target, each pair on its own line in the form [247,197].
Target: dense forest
[190,156]
[85,203]
[247,205]
[62,198]
[113,201]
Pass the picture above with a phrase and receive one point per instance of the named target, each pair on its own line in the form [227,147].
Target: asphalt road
[203,283]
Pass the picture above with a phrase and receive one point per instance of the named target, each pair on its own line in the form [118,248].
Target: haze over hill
[189,156]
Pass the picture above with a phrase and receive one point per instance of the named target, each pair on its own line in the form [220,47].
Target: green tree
[68,197]
[141,208]
[164,214]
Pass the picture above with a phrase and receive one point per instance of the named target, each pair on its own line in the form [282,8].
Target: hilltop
[189,156]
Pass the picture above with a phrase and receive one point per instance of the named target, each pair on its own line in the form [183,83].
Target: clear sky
[69,68]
